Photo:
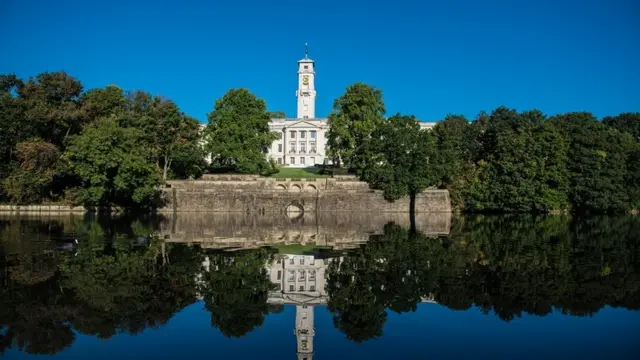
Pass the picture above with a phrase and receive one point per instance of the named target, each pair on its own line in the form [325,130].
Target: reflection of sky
[433,331]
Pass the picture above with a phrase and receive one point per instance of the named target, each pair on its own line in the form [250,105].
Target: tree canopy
[63,144]
[354,117]
[238,134]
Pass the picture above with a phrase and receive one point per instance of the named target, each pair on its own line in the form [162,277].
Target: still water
[331,286]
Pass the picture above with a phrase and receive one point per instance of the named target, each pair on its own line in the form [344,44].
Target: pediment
[304,124]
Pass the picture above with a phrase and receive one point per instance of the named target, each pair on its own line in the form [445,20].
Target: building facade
[302,141]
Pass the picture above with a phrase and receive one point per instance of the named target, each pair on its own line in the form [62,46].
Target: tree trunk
[166,167]
[412,212]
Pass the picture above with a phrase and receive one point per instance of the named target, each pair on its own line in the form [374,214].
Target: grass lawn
[297,173]
[295,249]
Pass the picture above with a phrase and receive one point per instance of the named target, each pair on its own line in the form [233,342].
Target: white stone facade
[302,141]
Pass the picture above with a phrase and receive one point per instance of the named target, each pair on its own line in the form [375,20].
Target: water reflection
[125,276]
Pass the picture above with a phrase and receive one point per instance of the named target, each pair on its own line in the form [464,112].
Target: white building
[302,140]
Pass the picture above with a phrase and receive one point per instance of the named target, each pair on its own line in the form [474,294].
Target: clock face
[305,80]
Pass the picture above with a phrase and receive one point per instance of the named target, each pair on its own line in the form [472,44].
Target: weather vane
[306,50]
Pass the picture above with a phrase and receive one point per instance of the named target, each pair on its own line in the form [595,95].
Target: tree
[355,115]
[276,114]
[235,289]
[625,122]
[521,163]
[102,102]
[13,128]
[238,133]
[30,181]
[597,162]
[401,158]
[113,168]
[52,104]
[455,143]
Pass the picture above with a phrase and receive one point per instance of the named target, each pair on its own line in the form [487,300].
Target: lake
[319,286]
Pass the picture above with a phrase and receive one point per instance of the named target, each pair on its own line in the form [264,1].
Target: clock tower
[306,87]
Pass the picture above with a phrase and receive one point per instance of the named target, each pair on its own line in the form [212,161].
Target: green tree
[235,289]
[521,163]
[597,162]
[400,159]
[30,181]
[276,114]
[454,156]
[102,102]
[355,115]
[52,104]
[238,133]
[625,122]
[113,168]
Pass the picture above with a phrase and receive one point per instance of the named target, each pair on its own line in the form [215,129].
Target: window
[312,147]
[306,66]
[312,288]
[302,160]
[292,275]
[292,134]
[301,272]
[312,275]
[301,287]
[301,261]
[279,274]
[279,147]
[293,162]
[291,260]
[303,134]
[313,161]
[292,147]
[305,117]
[313,134]
[290,287]
[303,147]
[279,261]
[279,161]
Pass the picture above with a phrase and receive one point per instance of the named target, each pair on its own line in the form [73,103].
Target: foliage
[522,164]
[596,164]
[113,168]
[235,288]
[38,117]
[276,114]
[238,133]
[354,117]
[401,158]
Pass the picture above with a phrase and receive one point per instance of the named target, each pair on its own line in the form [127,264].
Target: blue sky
[430,58]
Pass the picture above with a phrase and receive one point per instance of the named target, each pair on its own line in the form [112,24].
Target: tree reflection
[110,283]
[504,265]
[109,286]
[235,289]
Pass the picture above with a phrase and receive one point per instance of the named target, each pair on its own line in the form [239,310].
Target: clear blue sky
[430,58]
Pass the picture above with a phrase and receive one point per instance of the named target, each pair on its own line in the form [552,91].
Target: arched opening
[295,187]
[281,187]
[294,209]
[311,187]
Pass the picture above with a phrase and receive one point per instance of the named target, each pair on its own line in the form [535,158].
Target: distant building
[302,141]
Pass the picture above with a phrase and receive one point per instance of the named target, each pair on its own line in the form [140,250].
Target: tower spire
[306,50]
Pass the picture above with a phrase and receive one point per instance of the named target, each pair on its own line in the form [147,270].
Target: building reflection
[333,230]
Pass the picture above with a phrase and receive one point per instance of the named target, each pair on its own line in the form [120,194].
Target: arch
[311,187]
[296,187]
[294,208]
[281,187]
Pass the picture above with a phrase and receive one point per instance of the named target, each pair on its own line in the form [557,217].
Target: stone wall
[220,193]
[331,229]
